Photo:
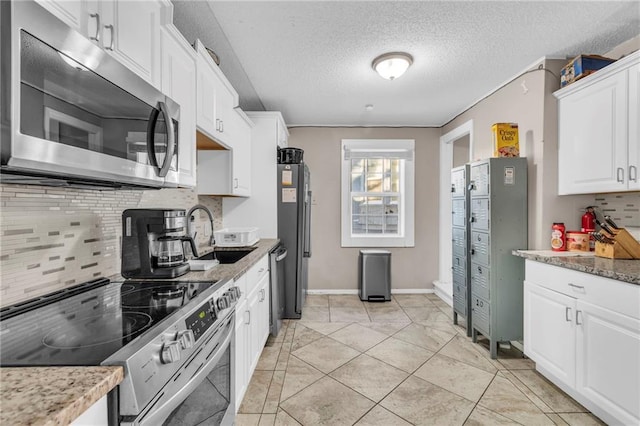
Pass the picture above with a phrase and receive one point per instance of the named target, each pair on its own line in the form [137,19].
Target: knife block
[624,247]
[611,251]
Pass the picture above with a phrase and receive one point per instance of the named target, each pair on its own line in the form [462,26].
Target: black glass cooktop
[86,324]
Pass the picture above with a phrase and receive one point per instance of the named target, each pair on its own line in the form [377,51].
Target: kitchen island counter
[52,395]
[617,269]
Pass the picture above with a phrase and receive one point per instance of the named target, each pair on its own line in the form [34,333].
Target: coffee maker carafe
[152,243]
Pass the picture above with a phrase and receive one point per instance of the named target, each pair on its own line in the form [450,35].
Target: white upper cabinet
[128,30]
[216,99]
[179,83]
[598,131]
[228,172]
[131,33]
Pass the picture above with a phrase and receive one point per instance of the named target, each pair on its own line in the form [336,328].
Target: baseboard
[355,291]
[444,291]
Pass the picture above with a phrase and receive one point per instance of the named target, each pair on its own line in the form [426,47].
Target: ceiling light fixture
[392,65]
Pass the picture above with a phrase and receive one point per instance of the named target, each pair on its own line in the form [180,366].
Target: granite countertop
[617,269]
[224,271]
[58,395]
[52,396]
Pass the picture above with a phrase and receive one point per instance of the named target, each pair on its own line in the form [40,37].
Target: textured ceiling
[312,59]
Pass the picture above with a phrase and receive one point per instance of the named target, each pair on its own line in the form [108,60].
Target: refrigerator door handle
[307,226]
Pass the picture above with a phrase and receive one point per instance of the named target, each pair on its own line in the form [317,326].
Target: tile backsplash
[52,238]
[624,208]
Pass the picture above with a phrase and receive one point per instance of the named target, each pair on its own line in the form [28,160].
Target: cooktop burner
[86,324]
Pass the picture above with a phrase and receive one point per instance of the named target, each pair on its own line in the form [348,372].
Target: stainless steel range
[174,340]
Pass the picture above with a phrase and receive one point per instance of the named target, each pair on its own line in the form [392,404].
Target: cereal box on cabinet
[505,140]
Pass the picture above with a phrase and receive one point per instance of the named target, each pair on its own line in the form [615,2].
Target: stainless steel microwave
[71,114]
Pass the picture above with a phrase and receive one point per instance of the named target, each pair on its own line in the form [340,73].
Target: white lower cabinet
[96,415]
[583,332]
[252,324]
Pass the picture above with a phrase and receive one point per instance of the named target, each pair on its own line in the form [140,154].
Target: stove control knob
[237,292]
[170,353]
[186,339]
[232,295]
[223,302]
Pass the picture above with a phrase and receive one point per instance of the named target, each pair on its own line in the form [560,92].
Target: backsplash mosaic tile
[624,209]
[52,238]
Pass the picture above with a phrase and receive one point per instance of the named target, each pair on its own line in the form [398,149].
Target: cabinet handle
[261,270]
[620,175]
[453,188]
[567,314]
[634,174]
[248,318]
[473,251]
[578,315]
[222,126]
[235,182]
[263,295]
[97,36]
[580,287]
[217,124]
[110,47]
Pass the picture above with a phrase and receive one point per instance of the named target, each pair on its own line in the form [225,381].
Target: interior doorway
[456,149]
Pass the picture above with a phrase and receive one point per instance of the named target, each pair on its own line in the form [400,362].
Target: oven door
[70,110]
[199,391]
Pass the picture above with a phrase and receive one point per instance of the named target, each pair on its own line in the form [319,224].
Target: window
[377,193]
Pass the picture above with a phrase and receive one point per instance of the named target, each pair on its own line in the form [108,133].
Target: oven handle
[159,414]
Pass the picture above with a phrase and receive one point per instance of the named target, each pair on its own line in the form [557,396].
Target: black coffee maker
[152,243]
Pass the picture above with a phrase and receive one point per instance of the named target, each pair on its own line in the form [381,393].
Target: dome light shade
[392,65]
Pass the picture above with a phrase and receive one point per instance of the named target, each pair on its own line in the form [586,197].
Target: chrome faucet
[190,212]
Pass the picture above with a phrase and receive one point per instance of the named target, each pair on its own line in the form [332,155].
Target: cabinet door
[206,94]
[549,331]
[241,155]
[224,112]
[634,128]
[131,33]
[253,301]
[241,358]
[70,12]
[592,145]
[264,313]
[179,83]
[608,370]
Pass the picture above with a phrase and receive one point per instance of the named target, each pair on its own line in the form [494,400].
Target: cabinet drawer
[480,247]
[480,214]
[460,269]
[459,212]
[618,296]
[480,318]
[480,281]
[459,241]
[257,271]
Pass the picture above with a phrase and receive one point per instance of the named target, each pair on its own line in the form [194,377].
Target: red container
[589,226]
[558,237]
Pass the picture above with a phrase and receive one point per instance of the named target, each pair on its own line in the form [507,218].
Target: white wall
[335,268]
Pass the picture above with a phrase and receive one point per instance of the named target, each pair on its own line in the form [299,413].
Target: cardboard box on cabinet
[581,66]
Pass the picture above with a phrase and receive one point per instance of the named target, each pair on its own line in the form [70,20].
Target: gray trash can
[374,275]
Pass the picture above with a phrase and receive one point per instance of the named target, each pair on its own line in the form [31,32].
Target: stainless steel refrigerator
[294,231]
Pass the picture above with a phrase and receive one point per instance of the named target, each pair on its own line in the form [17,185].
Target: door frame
[443,286]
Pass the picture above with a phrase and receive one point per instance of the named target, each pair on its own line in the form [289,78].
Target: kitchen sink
[226,256]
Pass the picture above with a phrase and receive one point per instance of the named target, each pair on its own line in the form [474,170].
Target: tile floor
[396,363]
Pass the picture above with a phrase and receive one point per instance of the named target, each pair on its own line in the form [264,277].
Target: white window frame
[407,190]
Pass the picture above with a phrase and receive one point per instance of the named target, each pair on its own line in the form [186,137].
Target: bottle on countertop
[558,237]
[589,225]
